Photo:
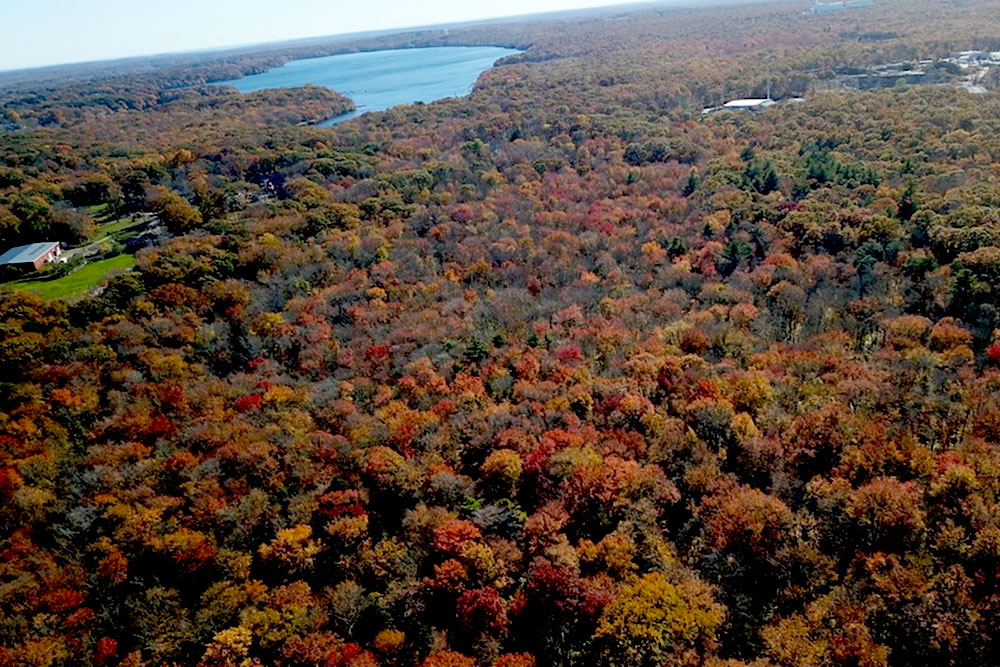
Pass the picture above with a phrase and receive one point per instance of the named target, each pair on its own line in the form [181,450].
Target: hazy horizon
[63,32]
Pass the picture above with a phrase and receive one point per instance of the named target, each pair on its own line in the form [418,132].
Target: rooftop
[26,254]
[749,103]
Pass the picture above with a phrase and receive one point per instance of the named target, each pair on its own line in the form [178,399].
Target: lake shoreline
[342,117]
[380,80]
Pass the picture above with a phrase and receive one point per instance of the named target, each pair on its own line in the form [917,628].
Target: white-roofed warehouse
[749,104]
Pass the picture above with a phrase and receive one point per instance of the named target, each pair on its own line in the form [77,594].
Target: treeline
[48,194]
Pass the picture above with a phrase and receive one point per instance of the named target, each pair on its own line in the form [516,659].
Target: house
[31,256]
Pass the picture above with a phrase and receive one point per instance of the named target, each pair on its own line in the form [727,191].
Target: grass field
[110,228]
[77,283]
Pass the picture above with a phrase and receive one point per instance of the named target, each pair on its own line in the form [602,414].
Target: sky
[50,32]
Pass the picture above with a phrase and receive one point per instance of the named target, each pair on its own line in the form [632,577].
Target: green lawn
[77,283]
[110,228]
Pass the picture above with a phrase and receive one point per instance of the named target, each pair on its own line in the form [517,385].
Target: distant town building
[32,256]
[876,78]
[749,104]
[890,78]
[971,56]
[827,7]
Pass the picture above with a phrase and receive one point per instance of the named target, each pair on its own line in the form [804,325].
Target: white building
[749,104]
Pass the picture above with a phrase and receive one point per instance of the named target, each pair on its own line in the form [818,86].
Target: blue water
[378,80]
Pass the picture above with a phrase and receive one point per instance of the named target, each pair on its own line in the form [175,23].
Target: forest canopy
[563,372]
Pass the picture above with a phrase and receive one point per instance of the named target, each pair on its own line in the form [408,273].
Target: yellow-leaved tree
[655,622]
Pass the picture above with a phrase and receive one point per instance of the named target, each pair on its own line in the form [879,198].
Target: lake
[378,80]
